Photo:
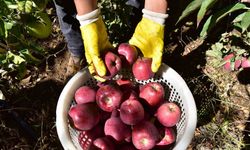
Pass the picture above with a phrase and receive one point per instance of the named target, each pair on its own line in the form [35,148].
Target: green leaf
[40,4]
[37,48]
[22,71]
[239,17]
[20,6]
[4,9]
[216,50]
[194,5]
[29,57]
[237,24]
[212,53]
[2,28]
[205,6]
[222,63]
[248,34]
[245,21]
[7,26]
[217,46]
[239,52]
[237,20]
[215,18]
[13,6]
[218,63]
[25,6]
[14,58]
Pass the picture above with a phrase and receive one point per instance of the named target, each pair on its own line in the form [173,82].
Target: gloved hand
[95,41]
[148,37]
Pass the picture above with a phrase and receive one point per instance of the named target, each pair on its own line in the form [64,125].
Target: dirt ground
[36,104]
[34,100]
[29,121]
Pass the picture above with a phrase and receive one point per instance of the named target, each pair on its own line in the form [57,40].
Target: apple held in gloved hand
[113,64]
[142,68]
[128,53]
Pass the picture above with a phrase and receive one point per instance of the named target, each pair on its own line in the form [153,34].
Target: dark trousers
[70,27]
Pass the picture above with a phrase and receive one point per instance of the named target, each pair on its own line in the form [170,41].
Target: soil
[37,95]
[34,99]
[29,120]
[35,103]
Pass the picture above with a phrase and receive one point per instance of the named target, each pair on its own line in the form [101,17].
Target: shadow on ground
[247,134]
[244,76]
[36,106]
[203,90]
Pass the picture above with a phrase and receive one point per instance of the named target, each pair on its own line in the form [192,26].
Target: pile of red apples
[121,113]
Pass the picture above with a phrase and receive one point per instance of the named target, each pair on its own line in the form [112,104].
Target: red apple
[168,137]
[130,94]
[228,59]
[128,87]
[153,93]
[168,114]
[101,84]
[237,64]
[127,83]
[114,113]
[229,56]
[108,97]
[85,94]
[104,143]
[86,138]
[105,115]
[113,64]
[227,66]
[85,116]
[115,128]
[129,52]
[145,135]
[232,62]
[131,112]
[142,69]
[245,62]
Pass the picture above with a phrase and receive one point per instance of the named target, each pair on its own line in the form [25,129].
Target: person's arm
[94,36]
[149,32]
[158,6]
[85,6]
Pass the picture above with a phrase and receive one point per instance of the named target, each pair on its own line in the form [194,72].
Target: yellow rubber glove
[96,42]
[148,37]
